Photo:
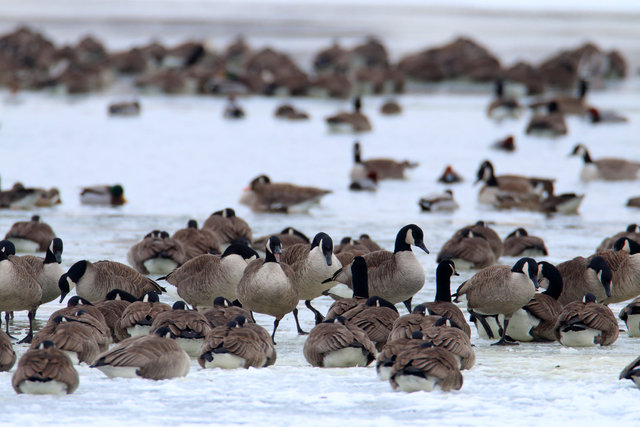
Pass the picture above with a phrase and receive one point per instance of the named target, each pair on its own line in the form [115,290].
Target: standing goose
[138,317]
[231,347]
[262,195]
[156,253]
[224,311]
[608,168]
[551,124]
[632,372]
[188,327]
[197,242]
[112,308]
[227,226]
[93,280]
[581,275]
[376,318]
[382,168]
[267,286]
[335,343]
[630,315]
[536,320]
[442,305]
[519,243]
[360,290]
[45,370]
[7,355]
[585,324]
[311,265]
[498,289]
[153,356]
[355,121]
[48,271]
[395,276]
[425,367]
[205,277]
[468,250]
[31,236]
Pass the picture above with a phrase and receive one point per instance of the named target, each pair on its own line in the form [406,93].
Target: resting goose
[375,317]
[586,323]
[519,243]
[366,240]
[632,372]
[632,232]
[197,241]
[112,307]
[574,105]
[19,197]
[442,305]
[453,340]
[355,121]
[288,236]
[597,116]
[7,355]
[224,311]
[45,370]
[387,356]
[608,168]
[31,236]
[502,107]
[153,356]
[630,315]
[76,304]
[513,183]
[395,276]
[232,346]
[382,168]
[336,343]
[138,317]
[227,226]
[157,253]
[76,338]
[205,277]
[188,327]
[551,124]
[390,108]
[405,325]
[467,249]
[103,195]
[581,275]
[426,368]
[264,196]
[438,202]
[499,289]
[268,287]
[287,111]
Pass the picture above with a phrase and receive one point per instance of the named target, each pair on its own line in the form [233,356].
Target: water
[181,160]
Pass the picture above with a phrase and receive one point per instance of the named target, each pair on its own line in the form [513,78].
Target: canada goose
[157,253]
[264,196]
[7,355]
[355,121]
[597,116]
[498,289]
[633,202]
[288,236]
[449,176]
[19,289]
[93,280]
[76,304]
[425,367]
[502,107]
[607,168]
[505,144]
[438,202]
[630,315]
[76,338]
[390,108]
[382,167]
[363,180]
[581,275]
[232,110]
[188,327]
[518,244]
[632,372]
[375,317]
[468,250]
[536,320]
[265,338]
[138,317]
[311,265]
[197,242]
[153,356]
[224,311]
[586,323]
[442,305]
[632,232]
[232,346]
[45,370]
[48,271]
[512,183]
[268,287]
[574,105]
[565,203]
[31,236]
[387,356]
[125,109]
[405,325]
[287,111]
[227,226]
[365,240]
[112,307]
[103,195]
[452,339]
[360,290]
[481,227]
[19,197]
[335,343]
[395,276]
[624,262]
[205,277]
[348,249]
[551,124]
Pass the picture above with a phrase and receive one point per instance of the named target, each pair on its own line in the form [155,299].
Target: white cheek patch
[51,246]
[525,269]
[626,246]
[409,239]
[70,282]
[599,275]
[486,174]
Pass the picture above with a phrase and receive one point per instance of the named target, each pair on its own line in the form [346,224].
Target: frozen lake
[181,160]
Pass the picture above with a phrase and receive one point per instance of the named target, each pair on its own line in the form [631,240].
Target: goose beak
[328,258]
[455,273]
[58,256]
[607,290]
[62,295]
[422,246]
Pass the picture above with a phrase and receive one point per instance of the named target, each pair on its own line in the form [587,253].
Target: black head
[119,294]
[627,245]
[357,153]
[231,324]
[54,251]
[427,344]
[262,179]
[420,309]
[589,298]
[273,249]
[293,232]
[499,88]
[380,302]
[46,344]
[325,243]
[485,172]
[164,332]
[240,320]
[164,235]
[76,300]
[359,277]
[357,104]
[227,212]
[150,297]
[7,248]
[180,305]
[553,107]
[192,223]
[221,302]
[244,251]
[443,321]
[347,241]
[410,235]
[77,270]
[35,218]
[583,87]
[63,285]
[603,272]
[529,267]
[417,335]
[518,232]
[446,268]
[340,319]
[631,228]
[551,273]
[59,319]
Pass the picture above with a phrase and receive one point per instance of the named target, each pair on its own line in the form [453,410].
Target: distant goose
[7,355]
[597,116]
[227,226]
[382,167]
[499,289]
[450,176]
[575,105]
[425,368]
[288,236]
[205,277]
[467,249]
[519,243]
[265,196]
[632,372]
[630,315]
[506,144]
[502,107]
[103,195]
[125,109]
[138,316]
[188,327]
[93,280]
[442,305]
[633,202]
[19,197]
[581,276]
[347,250]
[287,111]
[45,370]
[156,253]
[395,276]
[438,202]
[551,124]
[375,317]
[390,108]
[232,346]
[366,240]
[608,168]
[232,110]
[585,324]
[267,286]
[632,232]
[513,183]
[30,236]
[355,121]
[197,241]
[153,356]
[49,198]
[336,343]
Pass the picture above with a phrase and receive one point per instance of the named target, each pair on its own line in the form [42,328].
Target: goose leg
[503,338]
[275,326]
[295,316]
[483,321]
[319,316]
[29,337]
[7,314]
[407,304]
